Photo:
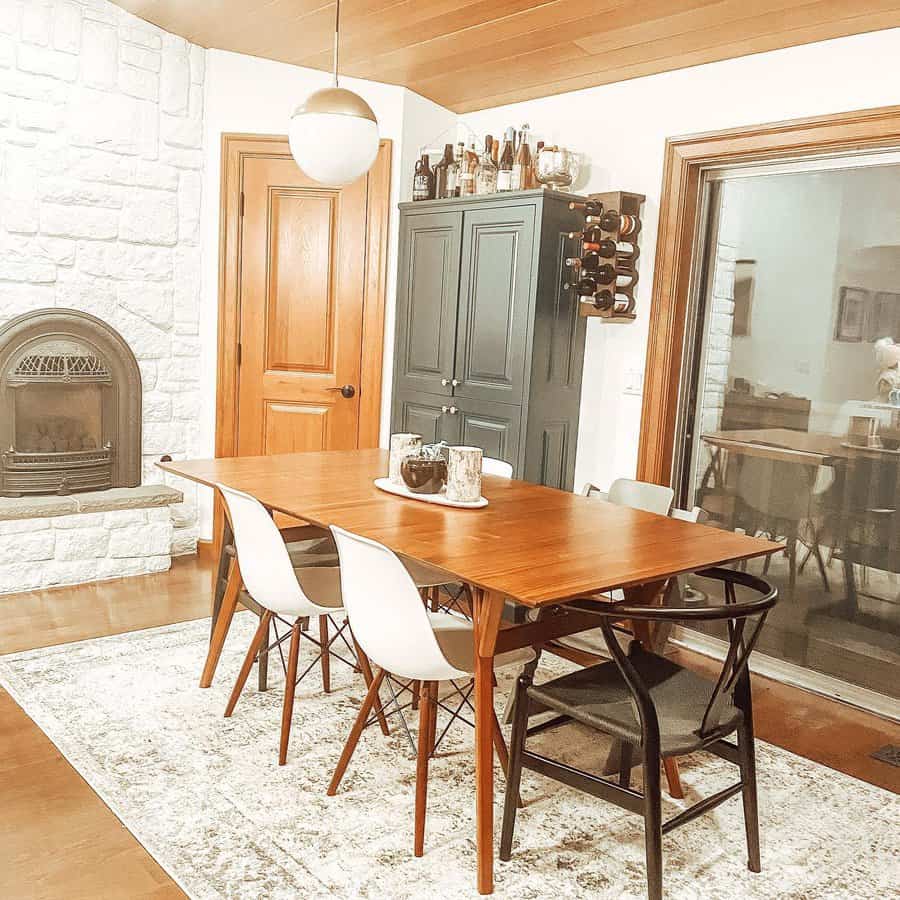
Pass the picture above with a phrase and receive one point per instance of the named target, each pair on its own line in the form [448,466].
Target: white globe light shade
[334,136]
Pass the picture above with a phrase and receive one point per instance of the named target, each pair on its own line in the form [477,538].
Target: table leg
[486,619]
[650,595]
[222,624]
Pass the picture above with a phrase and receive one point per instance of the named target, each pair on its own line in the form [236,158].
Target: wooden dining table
[531,545]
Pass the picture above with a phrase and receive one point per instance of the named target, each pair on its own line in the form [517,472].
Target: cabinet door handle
[445,409]
[445,382]
[454,382]
[453,410]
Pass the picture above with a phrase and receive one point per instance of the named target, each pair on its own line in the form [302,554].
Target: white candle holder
[402,445]
[464,474]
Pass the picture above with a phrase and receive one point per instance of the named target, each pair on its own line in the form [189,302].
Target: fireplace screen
[68,408]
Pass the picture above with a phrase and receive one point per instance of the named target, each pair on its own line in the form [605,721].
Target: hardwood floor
[61,841]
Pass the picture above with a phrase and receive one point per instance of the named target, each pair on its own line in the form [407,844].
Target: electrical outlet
[634,382]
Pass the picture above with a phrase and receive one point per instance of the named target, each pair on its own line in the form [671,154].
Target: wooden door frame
[679,224]
[235,149]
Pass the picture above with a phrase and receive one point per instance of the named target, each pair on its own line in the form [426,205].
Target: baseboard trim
[794,675]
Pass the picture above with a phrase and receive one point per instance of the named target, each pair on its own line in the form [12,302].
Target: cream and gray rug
[206,797]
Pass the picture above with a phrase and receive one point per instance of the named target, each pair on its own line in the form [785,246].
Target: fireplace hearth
[70,406]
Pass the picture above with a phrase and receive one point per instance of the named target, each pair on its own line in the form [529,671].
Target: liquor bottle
[504,173]
[588,207]
[495,152]
[486,182]
[442,172]
[521,169]
[468,170]
[457,169]
[423,180]
[534,164]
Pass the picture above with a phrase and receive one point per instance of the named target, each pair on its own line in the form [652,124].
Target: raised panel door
[494,427]
[495,290]
[428,415]
[427,299]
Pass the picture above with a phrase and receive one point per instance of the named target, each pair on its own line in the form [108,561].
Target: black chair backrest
[733,680]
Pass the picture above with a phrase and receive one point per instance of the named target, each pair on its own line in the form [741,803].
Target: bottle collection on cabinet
[513,163]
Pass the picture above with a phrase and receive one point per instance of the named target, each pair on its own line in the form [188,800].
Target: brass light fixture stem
[337,28]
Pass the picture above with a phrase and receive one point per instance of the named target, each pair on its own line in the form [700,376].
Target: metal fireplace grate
[69,367]
[56,473]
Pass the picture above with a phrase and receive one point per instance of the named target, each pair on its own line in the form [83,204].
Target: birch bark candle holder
[464,474]
[402,445]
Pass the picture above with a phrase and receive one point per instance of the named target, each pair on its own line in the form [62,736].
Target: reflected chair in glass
[411,646]
[659,709]
[778,499]
[291,596]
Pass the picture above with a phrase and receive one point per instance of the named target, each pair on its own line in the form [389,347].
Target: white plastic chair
[406,641]
[286,594]
[654,498]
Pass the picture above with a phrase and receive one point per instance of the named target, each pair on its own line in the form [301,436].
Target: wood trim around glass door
[678,236]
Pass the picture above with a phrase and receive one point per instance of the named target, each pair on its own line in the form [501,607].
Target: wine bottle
[423,180]
[614,221]
[588,207]
[522,164]
[495,153]
[442,172]
[487,171]
[604,299]
[504,173]
[590,235]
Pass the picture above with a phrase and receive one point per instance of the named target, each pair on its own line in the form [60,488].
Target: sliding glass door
[790,414]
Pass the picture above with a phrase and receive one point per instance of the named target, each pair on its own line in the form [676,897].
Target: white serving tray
[401,490]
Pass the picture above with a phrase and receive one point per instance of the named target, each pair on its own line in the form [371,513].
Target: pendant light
[334,133]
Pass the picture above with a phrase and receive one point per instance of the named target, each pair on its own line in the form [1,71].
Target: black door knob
[347,391]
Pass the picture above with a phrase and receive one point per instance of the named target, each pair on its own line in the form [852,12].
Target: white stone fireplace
[101,157]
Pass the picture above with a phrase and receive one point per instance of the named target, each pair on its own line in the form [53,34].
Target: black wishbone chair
[657,706]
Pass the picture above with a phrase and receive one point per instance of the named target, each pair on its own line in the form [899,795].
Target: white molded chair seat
[285,592]
[404,640]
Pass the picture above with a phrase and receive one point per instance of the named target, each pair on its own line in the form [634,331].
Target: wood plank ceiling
[472,54]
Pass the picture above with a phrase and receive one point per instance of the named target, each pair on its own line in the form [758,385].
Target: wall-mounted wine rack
[605,275]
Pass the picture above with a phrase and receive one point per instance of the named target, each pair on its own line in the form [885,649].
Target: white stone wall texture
[40,553]
[101,149]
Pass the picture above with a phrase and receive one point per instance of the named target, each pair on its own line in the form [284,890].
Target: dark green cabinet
[489,343]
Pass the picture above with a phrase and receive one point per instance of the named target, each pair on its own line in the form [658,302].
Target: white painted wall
[252,95]
[832,76]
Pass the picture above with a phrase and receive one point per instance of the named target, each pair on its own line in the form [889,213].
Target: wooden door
[427,297]
[302,284]
[494,298]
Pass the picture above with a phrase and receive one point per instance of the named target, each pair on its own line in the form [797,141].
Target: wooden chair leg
[366,669]
[653,825]
[262,632]
[416,688]
[748,779]
[514,775]
[290,685]
[325,658]
[503,754]
[435,595]
[426,714]
[355,732]
[222,624]
[673,777]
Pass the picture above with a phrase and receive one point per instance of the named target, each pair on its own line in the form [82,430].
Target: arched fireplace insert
[70,405]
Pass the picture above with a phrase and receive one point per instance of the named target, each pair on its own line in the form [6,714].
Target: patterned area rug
[206,797]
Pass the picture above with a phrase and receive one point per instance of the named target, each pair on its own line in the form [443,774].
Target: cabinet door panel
[418,413]
[492,426]
[427,297]
[494,295]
